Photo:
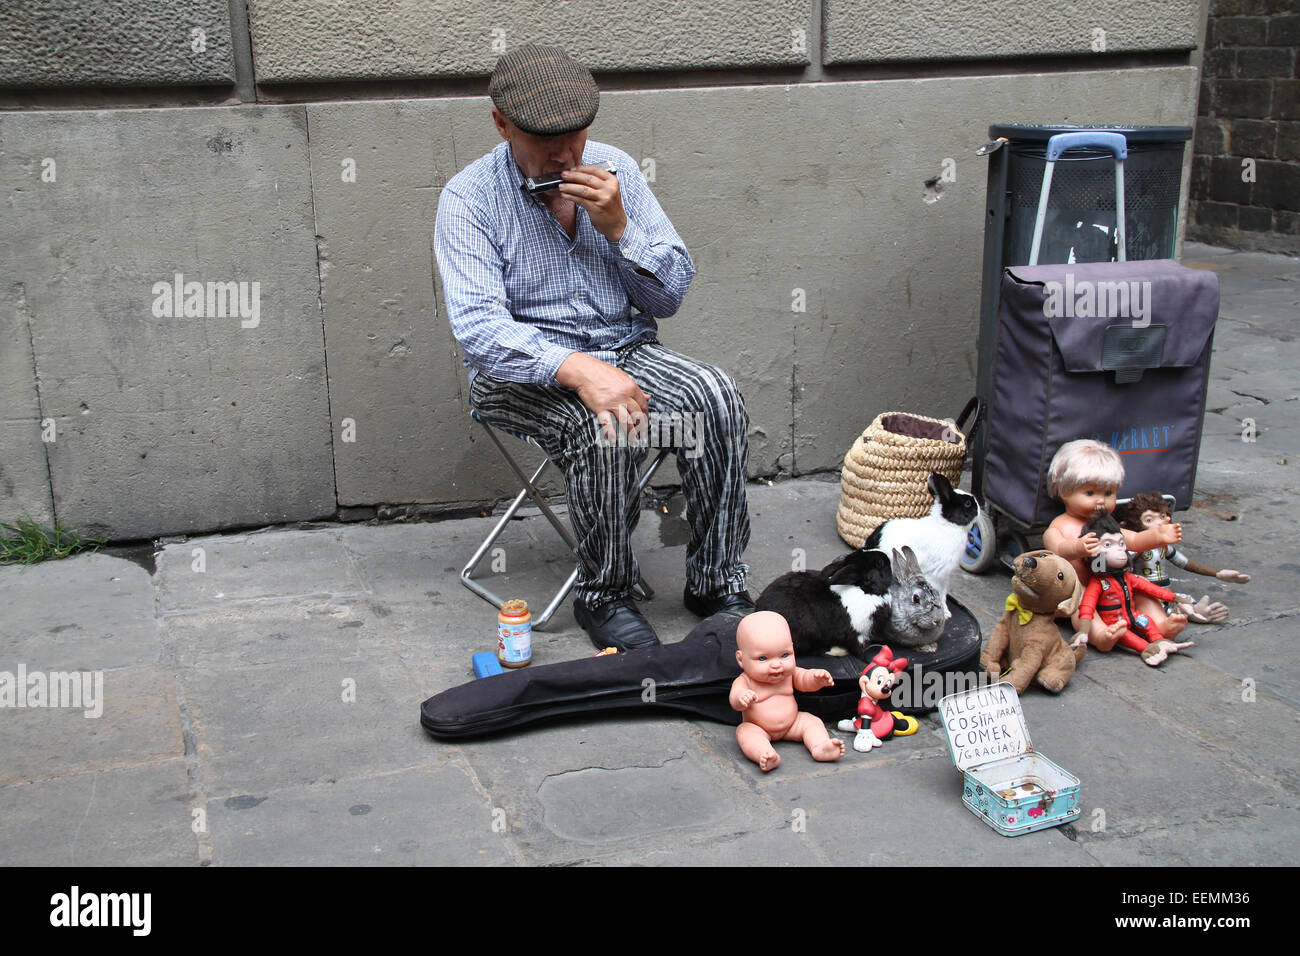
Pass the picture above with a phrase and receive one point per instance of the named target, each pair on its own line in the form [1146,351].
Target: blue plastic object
[486,664]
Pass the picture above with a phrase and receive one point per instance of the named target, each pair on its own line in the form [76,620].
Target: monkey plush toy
[1108,599]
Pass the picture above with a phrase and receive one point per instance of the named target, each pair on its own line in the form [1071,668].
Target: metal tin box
[1007,785]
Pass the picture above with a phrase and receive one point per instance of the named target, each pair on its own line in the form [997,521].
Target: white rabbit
[939,539]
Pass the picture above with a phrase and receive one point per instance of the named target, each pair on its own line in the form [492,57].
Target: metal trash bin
[1081,222]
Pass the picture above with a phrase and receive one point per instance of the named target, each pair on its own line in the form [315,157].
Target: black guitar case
[691,678]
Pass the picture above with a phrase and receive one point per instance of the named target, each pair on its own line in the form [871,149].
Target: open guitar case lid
[691,678]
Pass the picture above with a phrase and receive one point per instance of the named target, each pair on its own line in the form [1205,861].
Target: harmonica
[547,181]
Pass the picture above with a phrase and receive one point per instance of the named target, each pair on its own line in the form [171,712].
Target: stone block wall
[161,158]
[1246,171]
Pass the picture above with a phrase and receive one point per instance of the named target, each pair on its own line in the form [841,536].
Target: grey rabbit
[916,614]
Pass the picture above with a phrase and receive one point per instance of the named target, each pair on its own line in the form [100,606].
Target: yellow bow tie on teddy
[1013,604]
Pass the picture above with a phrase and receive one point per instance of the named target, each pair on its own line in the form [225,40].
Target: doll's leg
[757,746]
[863,738]
[814,736]
[1104,636]
[1168,625]
[1133,641]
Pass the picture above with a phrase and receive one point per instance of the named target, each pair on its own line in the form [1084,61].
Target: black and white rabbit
[916,614]
[939,539]
[836,608]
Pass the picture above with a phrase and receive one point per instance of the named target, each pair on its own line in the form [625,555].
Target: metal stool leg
[641,590]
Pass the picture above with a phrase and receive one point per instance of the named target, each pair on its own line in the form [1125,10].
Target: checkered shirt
[522,296]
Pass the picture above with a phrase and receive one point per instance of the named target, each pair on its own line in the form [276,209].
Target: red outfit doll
[1108,599]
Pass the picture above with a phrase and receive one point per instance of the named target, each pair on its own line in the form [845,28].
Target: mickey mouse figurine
[1110,598]
[874,724]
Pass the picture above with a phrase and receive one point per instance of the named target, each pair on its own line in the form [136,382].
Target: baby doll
[1086,476]
[1149,510]
[1110,594]
[764,693]
[874,724]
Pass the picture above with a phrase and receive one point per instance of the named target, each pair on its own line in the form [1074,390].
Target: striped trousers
[696,409]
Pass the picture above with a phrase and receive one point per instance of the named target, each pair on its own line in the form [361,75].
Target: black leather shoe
[618,623]
[737,604]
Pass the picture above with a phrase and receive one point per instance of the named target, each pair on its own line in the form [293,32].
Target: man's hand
[596,190]
[608,391]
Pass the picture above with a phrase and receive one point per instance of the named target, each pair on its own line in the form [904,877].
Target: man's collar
[518,178]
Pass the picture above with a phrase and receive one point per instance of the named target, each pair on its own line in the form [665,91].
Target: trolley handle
[976,406]
[1117,145]
[1114,143]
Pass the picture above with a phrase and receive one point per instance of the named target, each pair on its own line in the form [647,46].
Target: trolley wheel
[981,545]
[1011,545]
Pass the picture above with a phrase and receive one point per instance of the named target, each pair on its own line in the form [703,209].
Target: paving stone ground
[261,691]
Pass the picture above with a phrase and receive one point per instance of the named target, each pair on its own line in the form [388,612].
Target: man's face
[541,154]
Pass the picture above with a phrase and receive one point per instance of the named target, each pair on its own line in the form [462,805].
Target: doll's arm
[808,681]
[1149,540]
[742,695]
[1139,583]
[1181,560]
[1088,605]
[1056,541]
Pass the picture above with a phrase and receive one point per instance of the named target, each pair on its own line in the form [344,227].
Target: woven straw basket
[886,470]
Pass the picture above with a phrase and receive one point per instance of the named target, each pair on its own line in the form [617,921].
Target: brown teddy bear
[1027,640]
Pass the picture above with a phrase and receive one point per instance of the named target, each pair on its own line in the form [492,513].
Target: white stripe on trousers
[600,479]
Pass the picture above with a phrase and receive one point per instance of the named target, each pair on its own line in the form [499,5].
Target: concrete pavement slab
[266,727]
[86,612]
[1248,837]
[132,816]
[218,571]
[430,816]
[581,789]
[138,722]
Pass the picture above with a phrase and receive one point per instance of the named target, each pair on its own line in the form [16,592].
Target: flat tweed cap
[543,91]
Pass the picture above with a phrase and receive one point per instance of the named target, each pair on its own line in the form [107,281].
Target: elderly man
[553,298]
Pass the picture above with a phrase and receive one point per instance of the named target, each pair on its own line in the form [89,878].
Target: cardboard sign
[984,724]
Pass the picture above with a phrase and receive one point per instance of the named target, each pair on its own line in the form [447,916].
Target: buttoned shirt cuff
[549,361]
[634,245]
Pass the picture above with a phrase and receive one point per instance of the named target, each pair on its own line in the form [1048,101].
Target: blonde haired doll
[1086,475]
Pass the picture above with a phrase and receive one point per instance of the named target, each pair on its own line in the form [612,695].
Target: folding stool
[641,589]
